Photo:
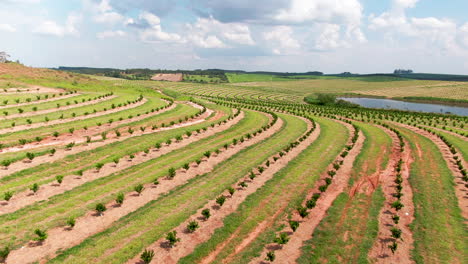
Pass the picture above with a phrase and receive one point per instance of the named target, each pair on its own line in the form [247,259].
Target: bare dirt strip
[189,241]
[46,191]
[33,89]
[54,109]
[61,121]
[380,252]
[291,251]
[51,99]
[79,136]
[460,189]
[61,238]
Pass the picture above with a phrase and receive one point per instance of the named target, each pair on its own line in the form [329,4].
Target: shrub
[397,205]
[41,235]
[7,195]
[282,239]
[30,155]
[59,179]
[396,232]
[192,226]
[172,173]
[172,238]
[100,208]
[270,256]
[147,256]
[139,188]
[302,211]
[220,200]
[231,190]
[206,213]
[294,225]
[4,253]
[71,222]
[34,188]
[120,198]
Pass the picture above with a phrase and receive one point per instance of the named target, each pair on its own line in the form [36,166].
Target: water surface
[407,106]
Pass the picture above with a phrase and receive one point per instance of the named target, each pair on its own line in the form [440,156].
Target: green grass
[438,229]
[44,173]
[167,212]
[57,209]
[282,193]
[354,217]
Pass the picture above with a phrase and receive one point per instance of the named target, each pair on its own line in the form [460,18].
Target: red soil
[25,198]
[40,101]
[61,121]
[380,252]
[460,189]
[291,251]
[62,108]
[60,238]
[191,240]
[171,77]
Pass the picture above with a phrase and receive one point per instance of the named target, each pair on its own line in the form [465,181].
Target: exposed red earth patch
[380,252]
[171,77]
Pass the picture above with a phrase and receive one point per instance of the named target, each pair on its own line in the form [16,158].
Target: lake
[407,106]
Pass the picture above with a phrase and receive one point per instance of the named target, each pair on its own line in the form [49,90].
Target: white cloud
[152,30]
[210,33]
[49,27]
[463,35]
[7,28]
[207,42]
[111,34]
[329,11]
[330,38]
[405,3]
[282,40]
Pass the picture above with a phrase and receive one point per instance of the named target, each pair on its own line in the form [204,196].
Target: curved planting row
[169,157]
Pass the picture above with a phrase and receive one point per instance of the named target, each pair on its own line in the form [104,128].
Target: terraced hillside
[112,171]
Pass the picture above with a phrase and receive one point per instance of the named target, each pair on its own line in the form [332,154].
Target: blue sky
[277,35]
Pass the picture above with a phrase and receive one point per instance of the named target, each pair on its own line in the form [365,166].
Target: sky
[332,36]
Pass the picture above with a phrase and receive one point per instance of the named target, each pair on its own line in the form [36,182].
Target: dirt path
[380,252]
[460,189]
[291,251]
[79,135]
[54,109]
[61,121]
[60,238]
[41,101]
[189,241]
[33,89]
[46,191]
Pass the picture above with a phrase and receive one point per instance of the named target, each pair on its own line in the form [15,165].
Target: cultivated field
[104,170]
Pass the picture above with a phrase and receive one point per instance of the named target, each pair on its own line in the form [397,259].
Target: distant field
[374,87]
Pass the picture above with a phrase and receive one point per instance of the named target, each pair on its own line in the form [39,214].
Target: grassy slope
[352,217]
[57,209]
[282,193]
[438,230]
[169,211]
[21,180]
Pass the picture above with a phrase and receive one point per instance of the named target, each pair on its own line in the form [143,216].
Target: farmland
[98,169]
